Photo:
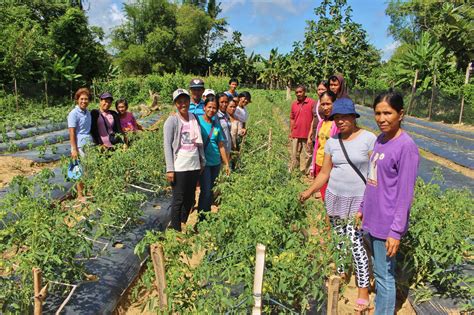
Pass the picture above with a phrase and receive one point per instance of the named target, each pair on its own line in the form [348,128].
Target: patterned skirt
[341,206]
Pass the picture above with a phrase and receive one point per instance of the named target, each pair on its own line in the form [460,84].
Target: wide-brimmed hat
[343,106]
[196,83]
[179,92]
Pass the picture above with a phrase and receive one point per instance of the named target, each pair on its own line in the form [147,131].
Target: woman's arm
[73,139]
[321,179]
[224,157]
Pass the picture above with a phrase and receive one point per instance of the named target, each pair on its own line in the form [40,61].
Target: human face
[231,108]
[196,93]
[334,86]
[387,118]
[243,101]
[325,105]
[83,101]
[182,104]
[321,89]
[300,94]
[345,122]
[233,86]
[210,109]
[223,103]
[105,104]
[121,108]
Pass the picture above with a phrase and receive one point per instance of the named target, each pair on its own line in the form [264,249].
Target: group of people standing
[361,177]
[198,141]
[102,126]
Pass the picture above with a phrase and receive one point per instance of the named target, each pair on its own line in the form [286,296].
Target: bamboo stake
[37,288]
[269,139]
[258,279]
[433,91]
[158,259]
[333,294]
[466,81]
[413,90]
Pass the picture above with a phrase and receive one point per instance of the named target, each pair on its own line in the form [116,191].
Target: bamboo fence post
[269,139]
[333,294]
[258,279]
[158,259]
[413,90]
[466,81]
[37,289]
[433,92]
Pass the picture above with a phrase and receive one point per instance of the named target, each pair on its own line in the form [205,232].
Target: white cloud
[251,41]
[277,7]
[106,14]
[389,49]
[227,5]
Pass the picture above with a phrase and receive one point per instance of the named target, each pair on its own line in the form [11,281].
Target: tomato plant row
[40,232]
[258,204]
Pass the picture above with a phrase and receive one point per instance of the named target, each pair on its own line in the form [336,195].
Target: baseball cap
[343,106]
[179,92]
[196,83]
[106,95]
[209,91]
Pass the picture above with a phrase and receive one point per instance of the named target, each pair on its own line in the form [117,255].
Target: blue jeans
[384,272]
[206,180]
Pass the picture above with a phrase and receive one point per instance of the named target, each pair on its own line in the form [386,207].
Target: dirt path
[13,166]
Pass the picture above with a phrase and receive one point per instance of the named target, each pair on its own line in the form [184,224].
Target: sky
[266,24]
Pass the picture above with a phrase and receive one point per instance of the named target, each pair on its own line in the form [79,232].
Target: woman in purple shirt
[388,195]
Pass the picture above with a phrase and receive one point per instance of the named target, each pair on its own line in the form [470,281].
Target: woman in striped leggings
[345,166]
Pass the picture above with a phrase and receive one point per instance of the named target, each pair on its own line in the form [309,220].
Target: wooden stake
[433,91]
[269,139]
[258,279]
[37,288]
[158,259]
[466,81]
[333,294]
[413,90]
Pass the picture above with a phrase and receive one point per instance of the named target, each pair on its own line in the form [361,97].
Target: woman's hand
[170,177]
[358,220]
[227,169]
[305,195]
[392,246]
[74,154]
[243,132]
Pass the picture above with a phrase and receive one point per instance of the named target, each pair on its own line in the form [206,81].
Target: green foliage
[334,43]
[136,89]
[450,22]
[40,35]
[229,59]
[439,241]
[160,37]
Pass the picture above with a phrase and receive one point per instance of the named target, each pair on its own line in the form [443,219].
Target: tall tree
[334,43]
[449,22]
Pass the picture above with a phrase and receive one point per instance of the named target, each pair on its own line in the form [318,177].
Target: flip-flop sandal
[362,305]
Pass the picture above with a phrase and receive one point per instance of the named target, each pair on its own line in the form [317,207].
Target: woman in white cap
[184,155]
[346,166]
[208,92]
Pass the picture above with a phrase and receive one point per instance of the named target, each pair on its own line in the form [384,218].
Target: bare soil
[13,166]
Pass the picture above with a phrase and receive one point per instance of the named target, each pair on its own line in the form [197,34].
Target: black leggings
[184,190]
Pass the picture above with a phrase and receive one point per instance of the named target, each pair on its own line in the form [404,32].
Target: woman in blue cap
[345,166]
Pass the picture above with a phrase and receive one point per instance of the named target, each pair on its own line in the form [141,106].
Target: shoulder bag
[349,160]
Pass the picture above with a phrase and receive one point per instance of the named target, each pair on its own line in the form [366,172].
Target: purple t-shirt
[390,186]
